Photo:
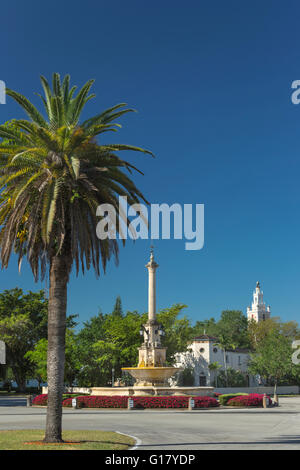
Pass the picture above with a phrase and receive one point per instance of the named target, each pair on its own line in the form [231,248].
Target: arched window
[202,380]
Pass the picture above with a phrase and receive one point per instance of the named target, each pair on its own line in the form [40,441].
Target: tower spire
[258,311]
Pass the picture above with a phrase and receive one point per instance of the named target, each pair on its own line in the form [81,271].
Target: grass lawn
[80,440]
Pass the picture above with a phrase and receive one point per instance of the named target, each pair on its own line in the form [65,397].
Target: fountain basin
[151,376]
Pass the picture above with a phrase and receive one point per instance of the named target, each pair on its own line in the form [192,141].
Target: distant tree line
[110,340]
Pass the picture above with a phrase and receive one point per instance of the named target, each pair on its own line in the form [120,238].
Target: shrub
[223,399]
[42,400]
[253,399]
[186,377]
[174,402]
[98,401]
[90,401]
[232,378]
[206,402]
[141,402]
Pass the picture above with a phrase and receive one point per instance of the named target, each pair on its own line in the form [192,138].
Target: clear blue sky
[212,84]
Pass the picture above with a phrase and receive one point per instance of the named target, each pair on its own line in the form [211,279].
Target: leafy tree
[273,357]
[117,311]
[186,378]
[93,330]
[233,327]
[290,329]
[233,378]
[225,343]
[39,358]
[119,347]
[23,322]
[208,327]
[214,367]
[259,331]
[178,331]
[54,175]
[110,341]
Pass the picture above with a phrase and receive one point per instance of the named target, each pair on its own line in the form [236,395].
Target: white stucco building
[203,351]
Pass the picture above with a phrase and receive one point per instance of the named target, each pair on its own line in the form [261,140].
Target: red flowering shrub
[141,402]
[40,400]
[160,402]
[173,402]
[95,401]
[206,402]
[224,398]
[253,399]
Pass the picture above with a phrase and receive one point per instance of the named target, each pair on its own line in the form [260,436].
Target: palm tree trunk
[59,270]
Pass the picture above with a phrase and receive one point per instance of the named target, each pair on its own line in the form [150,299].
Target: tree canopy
[23,322]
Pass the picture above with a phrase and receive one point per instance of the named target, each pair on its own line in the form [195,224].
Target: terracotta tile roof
[205,338]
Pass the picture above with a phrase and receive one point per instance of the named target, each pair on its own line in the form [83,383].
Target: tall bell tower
[258,311]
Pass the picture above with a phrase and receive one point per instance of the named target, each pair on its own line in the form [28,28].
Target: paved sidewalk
[272,428]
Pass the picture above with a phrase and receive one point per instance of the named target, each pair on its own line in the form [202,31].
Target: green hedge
[223,399]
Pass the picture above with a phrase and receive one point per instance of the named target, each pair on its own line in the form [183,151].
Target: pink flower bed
[141,402]
[98,402]
[253,399]
[90,401]
[40,400]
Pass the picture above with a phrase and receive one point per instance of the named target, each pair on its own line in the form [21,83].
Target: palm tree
[53,176]
[214,367]
[225,343]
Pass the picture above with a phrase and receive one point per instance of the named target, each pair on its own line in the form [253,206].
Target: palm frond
[28,107]
[53,176]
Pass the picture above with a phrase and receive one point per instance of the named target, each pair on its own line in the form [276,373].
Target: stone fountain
[151,370]
[152,374]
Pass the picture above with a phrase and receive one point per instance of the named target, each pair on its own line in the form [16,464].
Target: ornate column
[151,353]
[152,266]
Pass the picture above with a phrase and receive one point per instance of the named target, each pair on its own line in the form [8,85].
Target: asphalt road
[272,428]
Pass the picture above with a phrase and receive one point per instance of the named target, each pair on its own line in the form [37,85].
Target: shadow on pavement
[13,402]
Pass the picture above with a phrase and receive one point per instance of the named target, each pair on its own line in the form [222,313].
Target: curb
[138,441]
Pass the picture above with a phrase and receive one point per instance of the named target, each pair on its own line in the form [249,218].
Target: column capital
[151,264]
